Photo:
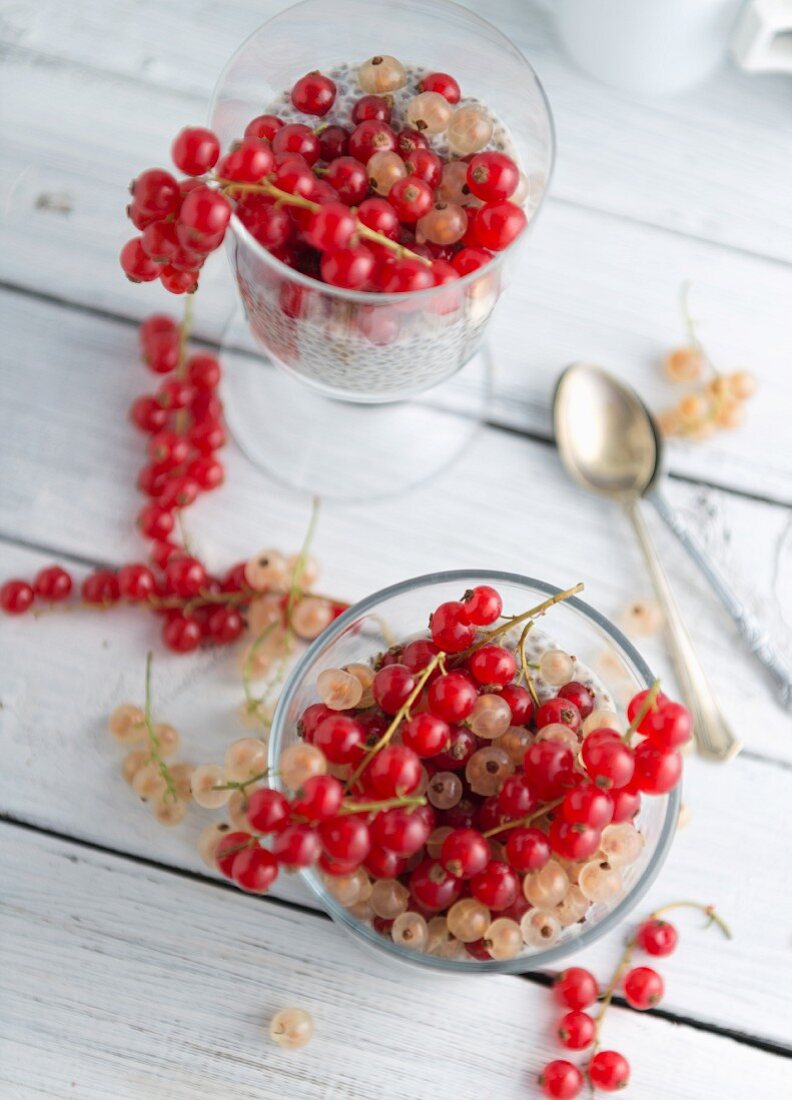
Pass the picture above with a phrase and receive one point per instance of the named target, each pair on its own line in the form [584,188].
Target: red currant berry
[264,127]
[138,218]
[379,215]
[483,604]
[340,738]
[16,597]
[225,625]
[320,798]
[167,449]
[417,655]
[404,276]
[527,849]
[345,838]
[669,727]
[349,268]
[560,1080]
[155,522]
[452,697]
[195,150]
[376,108]
[461,746]
[575,842]
[451,627]
[643,988]
[515,798]
[498,224]
[137,266]
[576,987]
[558,710]
[228,848]
[492,177]
[394,771]
[465,853]
[426,734]
[576,1030]
[350,179]
[162,551]
[400,831]
[407,141]
[433,887]
[156,192]
[313,715]
[159,242]
[369,138]
[492,664]
[161,352]
[136,582]
[411,198]
[53,584]
[657,937]
[181,633]
[314,94]
[425,165]
[608,1070]
[206,471]
[443,84]
[297,138]
[496,886]
[470,259]
[549,768]
[520,703]
[185,576]
[333,142]
[383,864]
[296,846]
[204,214]
[174,393]
[249,162]
[579,695]
[254,869]
[207,436]
[609,763]
[656,772]
[267,810]
[587,805]
[178,282]
[331,227]
[636,705]
[101,586]
[271,225]
[626,804]
[178,492]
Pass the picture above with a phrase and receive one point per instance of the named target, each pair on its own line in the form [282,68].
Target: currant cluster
[641,987]
[443,801]
[363,202]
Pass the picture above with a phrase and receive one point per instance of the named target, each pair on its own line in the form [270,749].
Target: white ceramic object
[655,47]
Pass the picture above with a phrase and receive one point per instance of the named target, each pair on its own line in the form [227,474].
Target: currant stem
[522,821]
[525,664]
[646,706]
[154,745]
[302,560]
[243,784]
[386,804]
[515,620]
[708,910]
[437,661]
[268,188]
[607,997]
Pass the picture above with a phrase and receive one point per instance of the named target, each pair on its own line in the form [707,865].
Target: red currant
[656,772]
[657,937]
[465,853]
[587,805]
[350,179]
[636,705]
[560,1080]
[156,192]
[426,734]
[470,259]
[136,582]
[369,138]
[181,633]
[576,1030]
[53,584]
[498,224]
[375,108]
[331,227]
[333,142]
[579,695]
[496,886]
[206,471]
[340,738]
[411,198]
[249,162]
[16,597]
[549,768]
[267,810]
[204,215]
[407,141]
[626,804]
[451,627]
[669,727]
[573,841]
[314,94]
[185,576]
[254,869]
[379,215]
[527,849]
[297,845]
[558,710]
[610,763]
[168,449]
[400,831]
[264,127]
[349,268]
[483,605]
[576,987]
[394,771]
[101,586]
[452,696]
[403,276]
[492,664]
[425,165]
[195,150]
[225,625]
[345,838]
[207,436]
[138,267]
[461,746]
[492,177]
[608,1070]
[228,848]
[443,84]
[433,887]
[643,988]
[520,703]
[297,138]
[515,798]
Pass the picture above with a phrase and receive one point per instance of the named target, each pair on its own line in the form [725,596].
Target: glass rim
[374,297]
[521,964]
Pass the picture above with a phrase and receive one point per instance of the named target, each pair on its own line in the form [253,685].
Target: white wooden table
[128,971]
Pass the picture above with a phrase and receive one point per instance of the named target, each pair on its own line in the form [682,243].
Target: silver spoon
[608,444]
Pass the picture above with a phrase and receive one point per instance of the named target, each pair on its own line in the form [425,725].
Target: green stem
[154,745]
[515,620]
[646,706]
[437,661]
[525,664]
[374,807]
[243,784]
[268,188]
[522,821]
[708,910]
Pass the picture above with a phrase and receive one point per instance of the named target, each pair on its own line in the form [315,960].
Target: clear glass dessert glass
[355,347]
[400,612]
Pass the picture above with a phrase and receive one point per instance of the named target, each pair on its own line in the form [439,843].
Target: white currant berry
[133,762]
[127,724]
[267,569]
[300,762]
[410,930]
[291,1028]
[381,74]
[556,667]
[244,759]
[207,783]
[339,690]
[208,840]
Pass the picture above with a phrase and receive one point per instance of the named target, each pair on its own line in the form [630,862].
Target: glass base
[341,450]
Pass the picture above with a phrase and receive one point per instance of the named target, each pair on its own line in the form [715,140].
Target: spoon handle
[751,631]
[713,737]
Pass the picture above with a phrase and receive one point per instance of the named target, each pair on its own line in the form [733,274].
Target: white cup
[655,47]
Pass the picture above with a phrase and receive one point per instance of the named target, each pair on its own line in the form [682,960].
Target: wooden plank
[575,293]
[712,162]
[60,678]
[140,984]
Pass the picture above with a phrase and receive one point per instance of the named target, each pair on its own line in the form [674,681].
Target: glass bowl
[401,611]
[354,346]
